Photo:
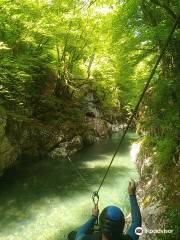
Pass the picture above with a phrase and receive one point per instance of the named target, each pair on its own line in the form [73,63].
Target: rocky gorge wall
[23,138]
[159,197]
[8,151]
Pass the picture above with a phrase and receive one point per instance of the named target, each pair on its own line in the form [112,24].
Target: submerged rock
[117,127]
[76,143]
[67,148]
[89,139]
[58,153]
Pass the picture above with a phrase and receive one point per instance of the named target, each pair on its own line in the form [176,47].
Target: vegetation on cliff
[140,30]
[52,51]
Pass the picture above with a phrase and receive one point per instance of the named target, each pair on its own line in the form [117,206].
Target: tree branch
[165,6]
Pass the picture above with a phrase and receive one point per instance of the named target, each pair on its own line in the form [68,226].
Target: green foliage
[173,217]
[44,37]
[76,114]
[164,151]
[139,31]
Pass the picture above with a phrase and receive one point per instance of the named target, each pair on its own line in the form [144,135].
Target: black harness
[98,236]
[95,235]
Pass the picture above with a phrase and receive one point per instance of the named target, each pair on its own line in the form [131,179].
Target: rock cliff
[50,135]
[159,197]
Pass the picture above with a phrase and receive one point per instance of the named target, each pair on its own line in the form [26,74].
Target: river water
[45,200]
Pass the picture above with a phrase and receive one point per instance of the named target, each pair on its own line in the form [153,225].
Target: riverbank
[54,134]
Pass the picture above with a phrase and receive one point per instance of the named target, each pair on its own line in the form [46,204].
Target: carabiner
[95,198]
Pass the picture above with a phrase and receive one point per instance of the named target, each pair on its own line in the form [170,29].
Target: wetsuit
[83,231]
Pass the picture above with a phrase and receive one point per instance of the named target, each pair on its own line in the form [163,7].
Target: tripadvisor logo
[139,231]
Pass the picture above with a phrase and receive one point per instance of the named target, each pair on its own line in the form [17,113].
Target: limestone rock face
[150,188]
[98,126]
[116,127]
[94,120]
[153,221]
[58,153]
[37,134]
[76,143]
[25,139]
[90,106]
[8,151]
[89,138]
[34,139]
[67,148]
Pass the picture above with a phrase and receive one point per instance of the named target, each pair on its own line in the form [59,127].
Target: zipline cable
[138,103]
[79,174]
[95,198]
